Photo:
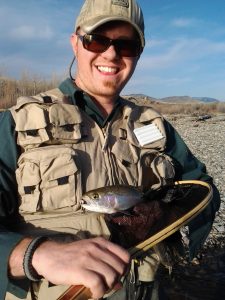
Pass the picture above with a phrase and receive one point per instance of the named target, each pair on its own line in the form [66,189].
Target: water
[204,281]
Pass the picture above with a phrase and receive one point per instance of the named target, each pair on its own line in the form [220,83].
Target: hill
[175,99]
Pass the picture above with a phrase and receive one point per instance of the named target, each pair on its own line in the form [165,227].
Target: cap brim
[98,21]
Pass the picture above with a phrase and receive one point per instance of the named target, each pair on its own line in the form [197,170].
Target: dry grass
[11,89]
[193,109]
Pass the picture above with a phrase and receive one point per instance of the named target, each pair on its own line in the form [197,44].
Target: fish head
[111,199]
[92,196]
[101,200]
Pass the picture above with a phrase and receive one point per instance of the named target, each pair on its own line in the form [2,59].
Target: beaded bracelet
[29,270]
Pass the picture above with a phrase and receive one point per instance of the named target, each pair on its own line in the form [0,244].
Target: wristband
[29,270]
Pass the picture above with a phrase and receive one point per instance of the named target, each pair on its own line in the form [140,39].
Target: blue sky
[184,53]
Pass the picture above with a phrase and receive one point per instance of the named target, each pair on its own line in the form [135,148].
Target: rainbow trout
[111,199]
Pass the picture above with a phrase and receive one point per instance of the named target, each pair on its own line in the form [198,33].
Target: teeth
[106,69]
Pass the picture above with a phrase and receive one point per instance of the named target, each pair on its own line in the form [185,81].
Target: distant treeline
[11,89]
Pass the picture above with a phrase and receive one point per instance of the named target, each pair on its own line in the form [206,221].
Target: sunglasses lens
[128,48]
[98,44]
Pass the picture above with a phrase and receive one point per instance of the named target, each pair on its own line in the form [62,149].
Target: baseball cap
[95,13]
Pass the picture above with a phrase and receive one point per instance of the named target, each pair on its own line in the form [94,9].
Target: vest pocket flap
[32,137]
[144,114]
[30,117]
[60,168]
[68,132]
[125,152]
[28,175]
[23,100]
[64,114]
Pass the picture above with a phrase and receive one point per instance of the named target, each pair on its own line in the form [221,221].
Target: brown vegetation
[193,109]
[11,89]
[184,108]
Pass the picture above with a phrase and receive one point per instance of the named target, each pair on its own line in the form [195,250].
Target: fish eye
[95,196]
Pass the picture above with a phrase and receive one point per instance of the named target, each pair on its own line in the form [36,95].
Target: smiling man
[59,144]
[103,72]
[110,67]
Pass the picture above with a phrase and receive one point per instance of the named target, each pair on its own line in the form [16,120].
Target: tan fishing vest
[65,153]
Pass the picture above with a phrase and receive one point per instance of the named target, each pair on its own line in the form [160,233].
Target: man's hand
[95,263]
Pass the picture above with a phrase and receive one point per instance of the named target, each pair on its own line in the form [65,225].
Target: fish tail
[164,254]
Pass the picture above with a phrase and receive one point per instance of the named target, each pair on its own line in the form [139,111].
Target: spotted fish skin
[111,199]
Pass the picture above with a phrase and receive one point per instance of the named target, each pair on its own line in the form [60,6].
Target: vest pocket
[48,179]
[28,179]
[58,181]
[125,160]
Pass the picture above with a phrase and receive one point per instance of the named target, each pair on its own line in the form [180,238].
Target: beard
[112,86]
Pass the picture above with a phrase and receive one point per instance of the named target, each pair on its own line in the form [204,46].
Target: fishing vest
[65,153]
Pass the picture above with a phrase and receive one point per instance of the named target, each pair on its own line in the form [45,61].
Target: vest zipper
[104,133]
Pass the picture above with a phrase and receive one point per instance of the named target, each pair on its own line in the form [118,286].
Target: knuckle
[97,281]
[98,287]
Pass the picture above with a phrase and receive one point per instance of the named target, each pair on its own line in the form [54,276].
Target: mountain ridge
[176,99]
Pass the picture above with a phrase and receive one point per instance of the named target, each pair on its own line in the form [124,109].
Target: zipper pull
[105,144]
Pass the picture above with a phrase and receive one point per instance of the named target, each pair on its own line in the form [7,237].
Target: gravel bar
[206,140]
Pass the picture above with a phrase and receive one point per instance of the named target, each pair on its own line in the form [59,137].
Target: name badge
[148,134]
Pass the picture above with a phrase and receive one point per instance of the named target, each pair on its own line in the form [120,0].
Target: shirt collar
[83,100]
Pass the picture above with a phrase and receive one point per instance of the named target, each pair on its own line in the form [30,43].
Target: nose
[110,53]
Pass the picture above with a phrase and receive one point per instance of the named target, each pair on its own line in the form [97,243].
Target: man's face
[104,74]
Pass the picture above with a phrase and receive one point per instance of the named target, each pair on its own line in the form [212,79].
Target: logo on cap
[124,3]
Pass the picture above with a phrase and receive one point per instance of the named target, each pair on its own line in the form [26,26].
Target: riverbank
[204,277]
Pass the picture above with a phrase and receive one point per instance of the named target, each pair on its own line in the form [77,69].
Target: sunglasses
[99,44]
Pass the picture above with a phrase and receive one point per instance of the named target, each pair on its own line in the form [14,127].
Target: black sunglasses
[98,44]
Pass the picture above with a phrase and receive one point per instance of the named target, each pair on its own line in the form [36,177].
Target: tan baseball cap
[95,13]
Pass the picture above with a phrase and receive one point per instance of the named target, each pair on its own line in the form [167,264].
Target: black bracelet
[29,270]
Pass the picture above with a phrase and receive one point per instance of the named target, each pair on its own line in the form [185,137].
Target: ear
[74,41]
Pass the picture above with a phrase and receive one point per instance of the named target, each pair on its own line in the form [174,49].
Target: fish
[112,199]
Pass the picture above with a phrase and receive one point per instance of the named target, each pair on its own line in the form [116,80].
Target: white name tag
[148,134]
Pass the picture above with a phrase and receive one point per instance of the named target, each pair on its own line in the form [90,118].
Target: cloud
[25,32]
[183,22]
[181,50]
[158,80]
[152,43]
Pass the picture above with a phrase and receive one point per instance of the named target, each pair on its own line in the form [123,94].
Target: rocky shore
[206,140]
[204,277]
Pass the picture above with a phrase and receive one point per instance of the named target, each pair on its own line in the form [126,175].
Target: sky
[184,53]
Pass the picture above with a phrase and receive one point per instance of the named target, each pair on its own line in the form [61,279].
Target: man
[79,137]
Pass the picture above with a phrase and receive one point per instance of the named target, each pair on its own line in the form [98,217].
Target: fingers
[95,263]
[97,287]
[119,251]
[108,262]
[114,255]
